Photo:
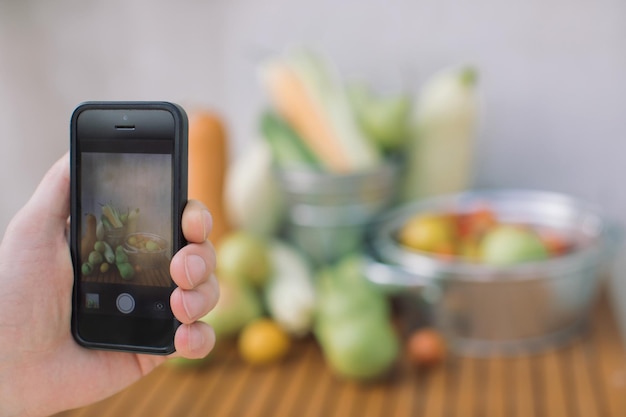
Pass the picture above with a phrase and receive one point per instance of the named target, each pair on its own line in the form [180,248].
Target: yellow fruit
[428,232]
[262,341]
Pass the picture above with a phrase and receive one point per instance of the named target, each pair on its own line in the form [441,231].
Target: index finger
[196,222]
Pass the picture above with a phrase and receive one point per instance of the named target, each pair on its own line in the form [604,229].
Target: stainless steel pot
[486,310]
[327,214]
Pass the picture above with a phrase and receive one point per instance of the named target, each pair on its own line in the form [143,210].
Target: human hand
[42,369]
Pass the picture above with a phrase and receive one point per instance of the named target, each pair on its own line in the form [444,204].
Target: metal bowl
[140,256]
[484,309]
[327,214]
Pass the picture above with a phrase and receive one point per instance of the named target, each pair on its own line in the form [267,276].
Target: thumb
[48,209]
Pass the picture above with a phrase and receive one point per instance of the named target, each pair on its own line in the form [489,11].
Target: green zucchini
[288,149]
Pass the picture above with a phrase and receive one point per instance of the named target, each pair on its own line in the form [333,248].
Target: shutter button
[125,303]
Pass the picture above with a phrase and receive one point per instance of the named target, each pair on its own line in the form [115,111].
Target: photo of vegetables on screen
[126,231]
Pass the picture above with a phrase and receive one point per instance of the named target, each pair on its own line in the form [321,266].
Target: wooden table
[586,378]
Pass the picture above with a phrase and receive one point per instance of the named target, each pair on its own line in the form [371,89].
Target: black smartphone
[128,191]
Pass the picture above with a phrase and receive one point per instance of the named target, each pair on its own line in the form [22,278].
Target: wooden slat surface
[586,379]
[157,275]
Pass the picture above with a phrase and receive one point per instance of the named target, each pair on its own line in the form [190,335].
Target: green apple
[238,305]
[362,349]
[383,118]
[352,323]
[343,291]
[509,244]
[358,303]
[244,257]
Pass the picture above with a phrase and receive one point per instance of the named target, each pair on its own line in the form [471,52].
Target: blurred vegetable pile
[317,121]
[271,295]
[271,292]
[101,243]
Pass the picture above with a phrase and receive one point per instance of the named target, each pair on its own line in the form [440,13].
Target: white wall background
[553,73]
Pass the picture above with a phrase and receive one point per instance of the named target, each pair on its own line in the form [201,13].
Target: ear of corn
[112,216]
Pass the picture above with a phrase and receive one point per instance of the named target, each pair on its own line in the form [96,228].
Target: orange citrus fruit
[263,341]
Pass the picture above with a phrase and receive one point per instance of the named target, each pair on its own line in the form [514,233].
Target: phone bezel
[110,121]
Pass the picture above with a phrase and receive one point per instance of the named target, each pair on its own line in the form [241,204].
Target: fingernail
[195,269]
[195,341]
[193,303]
[207,223]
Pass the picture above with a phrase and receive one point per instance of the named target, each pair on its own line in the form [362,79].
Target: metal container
[327,214]
[140,256]
[485,310]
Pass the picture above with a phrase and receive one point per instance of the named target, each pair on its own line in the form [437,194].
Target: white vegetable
[440,154]
[290,294]
[100,231]
[252,195]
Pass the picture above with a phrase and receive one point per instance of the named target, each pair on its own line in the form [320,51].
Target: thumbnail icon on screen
[92,300]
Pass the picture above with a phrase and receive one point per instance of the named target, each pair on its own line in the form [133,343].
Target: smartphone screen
[128,191]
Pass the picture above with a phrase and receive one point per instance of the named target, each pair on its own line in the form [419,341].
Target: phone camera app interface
[126,235]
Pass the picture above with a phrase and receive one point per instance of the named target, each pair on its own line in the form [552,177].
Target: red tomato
[556,243]
[426,348]
[474,224]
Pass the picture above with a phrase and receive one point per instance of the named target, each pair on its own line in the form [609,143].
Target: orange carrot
[208,162]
